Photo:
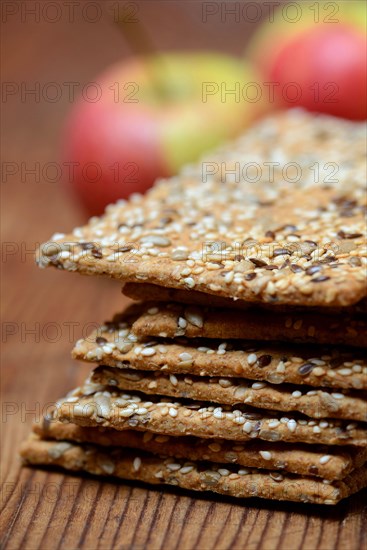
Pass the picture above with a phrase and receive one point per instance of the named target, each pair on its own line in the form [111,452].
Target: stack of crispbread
[241,371]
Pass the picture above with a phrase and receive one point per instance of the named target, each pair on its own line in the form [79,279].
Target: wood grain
[46,509]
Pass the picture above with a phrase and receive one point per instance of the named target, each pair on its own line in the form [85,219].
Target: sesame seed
[273,423]
[173,467]
[194,316]
[141,410]
[276,476]
[345,372]
[148,352]
[318,371]
[266,455]
[228,278]
[155,240]
[281,367]
[185,356]
[247,427]
[258,386]
[126,412]
[182,323]
[136,464]
[186,469]
[179,254]
[189,282]
[338,395]
[251,359]
[324,459]
[351,426]
[292,425]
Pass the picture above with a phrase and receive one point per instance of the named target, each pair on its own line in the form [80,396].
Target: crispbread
[251,324]
[233,391]
[232,481]
[146,292]
[279,240]
[95,405]
[114,344]
[321,461]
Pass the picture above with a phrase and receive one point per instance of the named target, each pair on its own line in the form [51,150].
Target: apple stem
[140,44]
[136,36]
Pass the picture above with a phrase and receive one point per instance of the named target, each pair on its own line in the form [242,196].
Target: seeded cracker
[94,405]
[231,481]
[171,319]
[227,391]
[298,240]
[331,463]
[145,292]
[115,344]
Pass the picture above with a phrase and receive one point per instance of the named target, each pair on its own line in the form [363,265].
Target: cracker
[321,461]
[146,292]
[231,481]
[95,405]
[280,240]
[251,324]
[233,391]
[114,344]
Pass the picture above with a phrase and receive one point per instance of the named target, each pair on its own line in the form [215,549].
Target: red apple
[319,65]
[329,69]
[152,116]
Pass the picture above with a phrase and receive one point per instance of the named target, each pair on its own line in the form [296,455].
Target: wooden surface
[49,510]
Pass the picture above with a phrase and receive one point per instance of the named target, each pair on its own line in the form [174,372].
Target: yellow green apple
[150,115]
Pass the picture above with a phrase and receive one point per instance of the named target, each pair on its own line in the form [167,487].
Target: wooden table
[44,312]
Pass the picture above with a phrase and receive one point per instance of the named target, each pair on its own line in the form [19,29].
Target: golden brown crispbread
[289,238]
[95,405]
[232,391]
[146,292]
[115,344]
[252,324]
[231,481]
[310,460]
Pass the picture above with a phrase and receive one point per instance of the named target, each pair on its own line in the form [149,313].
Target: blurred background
[101,97]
